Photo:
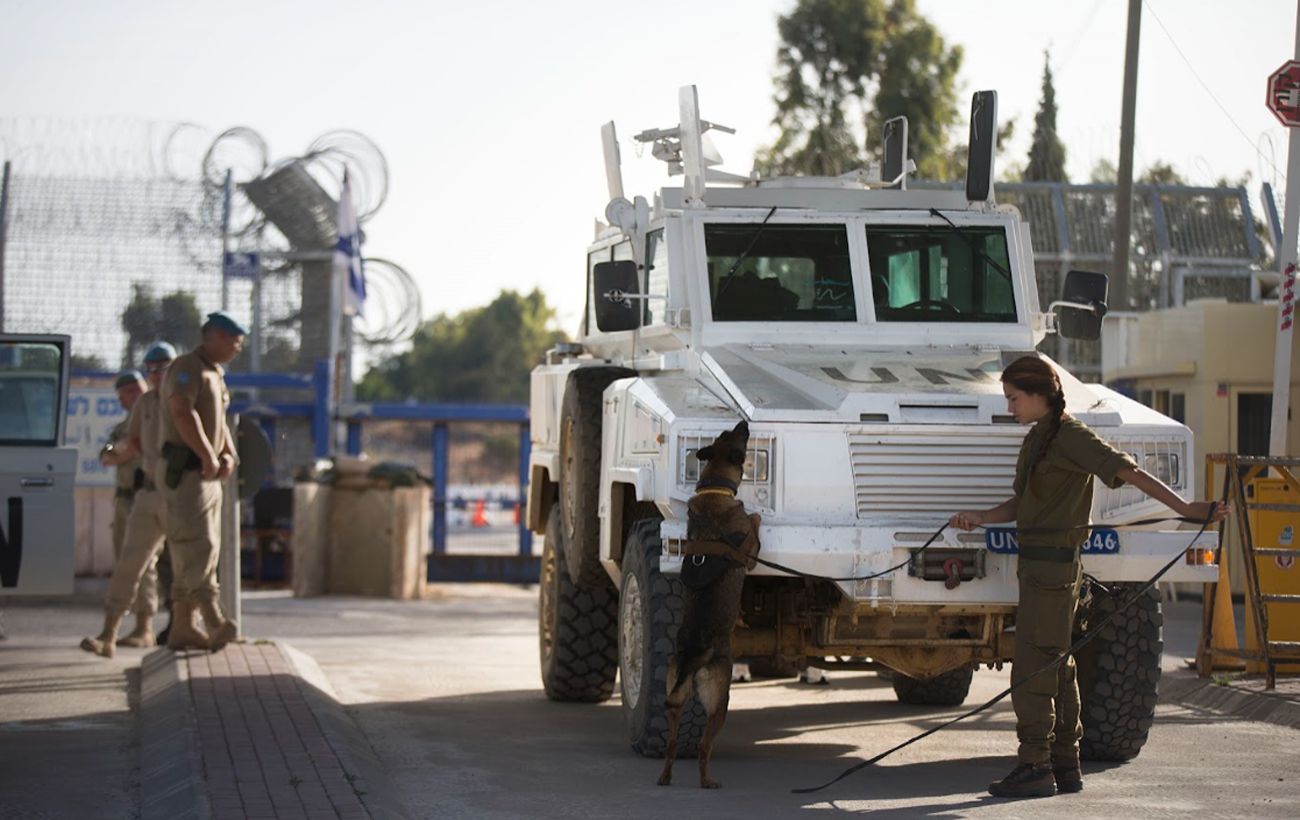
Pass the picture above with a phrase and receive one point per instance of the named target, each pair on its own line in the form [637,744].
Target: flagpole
[336,330]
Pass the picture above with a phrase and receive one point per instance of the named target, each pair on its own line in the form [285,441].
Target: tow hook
[952,573]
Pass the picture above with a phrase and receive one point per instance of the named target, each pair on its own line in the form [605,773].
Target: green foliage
[1161,173]
[79,361]
[481,354]
[916,77]
[174,318]
[1046,152]
[843,68]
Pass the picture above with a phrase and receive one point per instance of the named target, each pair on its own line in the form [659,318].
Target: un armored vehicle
[860,327]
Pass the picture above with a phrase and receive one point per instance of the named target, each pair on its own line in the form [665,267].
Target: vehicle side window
[656,278]
[29,393]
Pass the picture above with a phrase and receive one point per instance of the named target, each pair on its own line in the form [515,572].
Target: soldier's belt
[180,460]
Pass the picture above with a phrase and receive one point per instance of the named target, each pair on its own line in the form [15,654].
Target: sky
[488,113]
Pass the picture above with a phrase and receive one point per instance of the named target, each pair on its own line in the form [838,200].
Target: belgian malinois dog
[721,543]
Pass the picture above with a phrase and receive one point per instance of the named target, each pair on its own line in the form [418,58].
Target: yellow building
[1208,364]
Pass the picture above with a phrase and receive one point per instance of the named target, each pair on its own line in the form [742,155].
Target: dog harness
[711,551]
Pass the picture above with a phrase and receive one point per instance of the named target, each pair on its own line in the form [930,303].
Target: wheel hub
[632,657]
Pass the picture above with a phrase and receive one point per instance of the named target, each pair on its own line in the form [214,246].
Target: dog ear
[736,457]
[705,454]
[742,428]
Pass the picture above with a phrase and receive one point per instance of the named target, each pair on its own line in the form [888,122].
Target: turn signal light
[1200,557]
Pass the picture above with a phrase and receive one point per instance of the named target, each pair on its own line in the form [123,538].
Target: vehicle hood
[928,386]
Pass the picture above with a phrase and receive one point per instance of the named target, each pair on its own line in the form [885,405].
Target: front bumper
[847,551]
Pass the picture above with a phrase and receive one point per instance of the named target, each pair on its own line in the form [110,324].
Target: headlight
[756,464]
[1165,467]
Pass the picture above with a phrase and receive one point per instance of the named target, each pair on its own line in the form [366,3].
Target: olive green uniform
[134,575]
[124,489]
[1056,496]
[193,505]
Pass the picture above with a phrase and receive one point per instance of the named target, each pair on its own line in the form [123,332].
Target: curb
[369,777]
[171,774]
[1186,689]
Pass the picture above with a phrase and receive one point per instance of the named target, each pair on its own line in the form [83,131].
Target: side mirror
[616,290]
[1083,305]
[893,169]
[982,146]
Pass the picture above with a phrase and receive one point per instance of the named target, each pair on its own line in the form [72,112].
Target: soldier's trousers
[134,583]
[142,603]
[1047,708]
[194,536]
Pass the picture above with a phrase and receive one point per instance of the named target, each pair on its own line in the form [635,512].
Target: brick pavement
[264,753]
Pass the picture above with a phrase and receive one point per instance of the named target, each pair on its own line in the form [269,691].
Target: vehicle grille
[934,471]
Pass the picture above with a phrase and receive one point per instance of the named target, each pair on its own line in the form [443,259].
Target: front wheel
[649,615]
[1119,672]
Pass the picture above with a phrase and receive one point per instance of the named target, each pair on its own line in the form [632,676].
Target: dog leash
[1093,631]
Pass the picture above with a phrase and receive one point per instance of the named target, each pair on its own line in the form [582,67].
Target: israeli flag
[347,253]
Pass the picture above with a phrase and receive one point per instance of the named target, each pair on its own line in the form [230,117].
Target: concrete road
[448,693]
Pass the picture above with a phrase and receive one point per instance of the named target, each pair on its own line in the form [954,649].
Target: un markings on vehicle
[1002,540]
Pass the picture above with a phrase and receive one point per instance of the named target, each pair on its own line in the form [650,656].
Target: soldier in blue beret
[198,455]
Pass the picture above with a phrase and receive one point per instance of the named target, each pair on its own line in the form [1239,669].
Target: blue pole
[525,534]
[320,420]
[354,438]
[440,446]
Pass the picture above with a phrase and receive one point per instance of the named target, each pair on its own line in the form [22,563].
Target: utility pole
[1119,280]
[4,235]
[1277,434]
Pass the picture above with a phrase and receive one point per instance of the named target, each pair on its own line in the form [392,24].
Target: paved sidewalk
[249,735]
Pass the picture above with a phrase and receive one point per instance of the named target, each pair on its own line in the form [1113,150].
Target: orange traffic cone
[1223,627]
[480,514]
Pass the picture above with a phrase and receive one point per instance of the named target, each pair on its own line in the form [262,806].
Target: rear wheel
[577,629]
[948,689]
[649,615]
[580,421]
[1119,672]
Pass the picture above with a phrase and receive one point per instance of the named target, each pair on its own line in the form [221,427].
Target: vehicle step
[1277,550]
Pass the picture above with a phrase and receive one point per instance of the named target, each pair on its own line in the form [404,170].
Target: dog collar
[717,485]
[716,491]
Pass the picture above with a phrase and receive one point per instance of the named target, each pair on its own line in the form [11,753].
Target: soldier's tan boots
[142,635]
[220,630]
[184,634]
[107,639]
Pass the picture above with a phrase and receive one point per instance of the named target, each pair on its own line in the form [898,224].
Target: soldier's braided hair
[1030,374]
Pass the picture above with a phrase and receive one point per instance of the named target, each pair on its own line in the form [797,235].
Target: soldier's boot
[220,630]
[1026,780]
[1068,775]
[104,643]
[142,636]
[184,635]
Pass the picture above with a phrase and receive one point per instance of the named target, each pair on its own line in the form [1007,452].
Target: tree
[1046,152]
[481,354]
[916,76]
[174,318]
[843,68]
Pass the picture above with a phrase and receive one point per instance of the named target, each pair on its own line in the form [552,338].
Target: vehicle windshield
[779,273]
[938,274]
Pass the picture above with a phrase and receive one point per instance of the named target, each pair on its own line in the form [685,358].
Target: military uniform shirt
[1058,494]
[145,424]
[125,478]
[203,386]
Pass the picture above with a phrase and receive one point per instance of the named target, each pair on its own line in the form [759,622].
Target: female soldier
[1051,508]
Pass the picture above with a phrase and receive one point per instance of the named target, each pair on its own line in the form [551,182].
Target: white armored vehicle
[860,328]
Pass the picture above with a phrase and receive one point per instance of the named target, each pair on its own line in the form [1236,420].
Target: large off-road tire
[577,629]
[1119,672]
[649,615]
[579,479]
[948,689]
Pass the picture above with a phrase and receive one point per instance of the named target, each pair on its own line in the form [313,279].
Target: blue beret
[160,352]
[127,377]
[224,321]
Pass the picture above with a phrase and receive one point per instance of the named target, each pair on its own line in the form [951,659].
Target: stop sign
[1284,93]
